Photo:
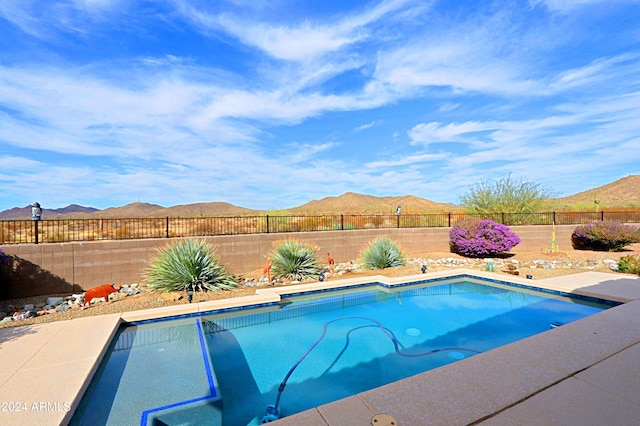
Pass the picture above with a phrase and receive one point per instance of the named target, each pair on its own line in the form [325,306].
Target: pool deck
[583,373]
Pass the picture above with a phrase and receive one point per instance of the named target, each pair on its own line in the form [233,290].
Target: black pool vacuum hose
[273,411]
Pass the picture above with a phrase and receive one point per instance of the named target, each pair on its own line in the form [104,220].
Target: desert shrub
[629,264]
[189,264]
[382,253]
[604,236]
[505,195]
[294,260]
[481,238]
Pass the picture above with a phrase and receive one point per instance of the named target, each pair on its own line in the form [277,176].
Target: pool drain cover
[456,355]
[383,420]
[412,331]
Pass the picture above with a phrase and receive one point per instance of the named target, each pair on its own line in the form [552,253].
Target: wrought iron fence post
[342,222]
[166,227]
[449,220]
[602,215]
[35,227]
[267,224]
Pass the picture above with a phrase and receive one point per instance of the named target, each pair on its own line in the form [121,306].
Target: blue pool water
[227,368]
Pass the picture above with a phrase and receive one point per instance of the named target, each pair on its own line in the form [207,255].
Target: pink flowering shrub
[5,260]
[604,236]
[481,238]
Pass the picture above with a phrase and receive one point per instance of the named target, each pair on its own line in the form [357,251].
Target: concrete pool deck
[583,373]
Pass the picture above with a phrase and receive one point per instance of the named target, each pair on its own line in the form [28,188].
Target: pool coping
[562,375]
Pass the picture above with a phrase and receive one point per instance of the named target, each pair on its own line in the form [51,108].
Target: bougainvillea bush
[604,236]
[4,262]
[481,238]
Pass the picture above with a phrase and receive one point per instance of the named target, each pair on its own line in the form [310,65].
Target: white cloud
[448,107]
[456,61]
[408,160]
[367,126]
[300,41]
[427,133]
[21,14]
[301,153]
[596,72]
[14,163]
[43,19]
[551,147]
[568,5]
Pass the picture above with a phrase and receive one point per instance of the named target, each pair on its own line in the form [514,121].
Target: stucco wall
[40,269]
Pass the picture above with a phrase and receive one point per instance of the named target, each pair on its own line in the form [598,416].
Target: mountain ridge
[25,212]
[622,193]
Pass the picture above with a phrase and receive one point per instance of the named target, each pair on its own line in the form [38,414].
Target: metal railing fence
[69,230]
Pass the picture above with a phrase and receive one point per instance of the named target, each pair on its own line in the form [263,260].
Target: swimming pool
[227,368]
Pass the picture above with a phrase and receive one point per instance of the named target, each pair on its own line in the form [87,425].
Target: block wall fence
[63,268]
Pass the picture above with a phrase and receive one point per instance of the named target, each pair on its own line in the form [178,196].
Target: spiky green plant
[629,264]
[490,265]
[189,264]
[294,260]
[382,253]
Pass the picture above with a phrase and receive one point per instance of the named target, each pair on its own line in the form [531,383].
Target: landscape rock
[55,301]
[450,262]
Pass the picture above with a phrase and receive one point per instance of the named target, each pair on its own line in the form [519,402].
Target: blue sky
[269,104]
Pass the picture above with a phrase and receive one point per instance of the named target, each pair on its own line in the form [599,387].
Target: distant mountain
[25,212]
[129,210]
[153,210]
[351,202]
[624,192]
[208,209]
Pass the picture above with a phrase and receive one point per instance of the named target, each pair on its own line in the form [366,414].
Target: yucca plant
[382,253]
[294,260]
[185,265]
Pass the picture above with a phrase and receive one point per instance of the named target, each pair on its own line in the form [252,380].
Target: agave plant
[189,264]
[490,265]
[382,253]
[294,260]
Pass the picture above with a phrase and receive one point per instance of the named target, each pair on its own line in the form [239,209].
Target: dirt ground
[537,264]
